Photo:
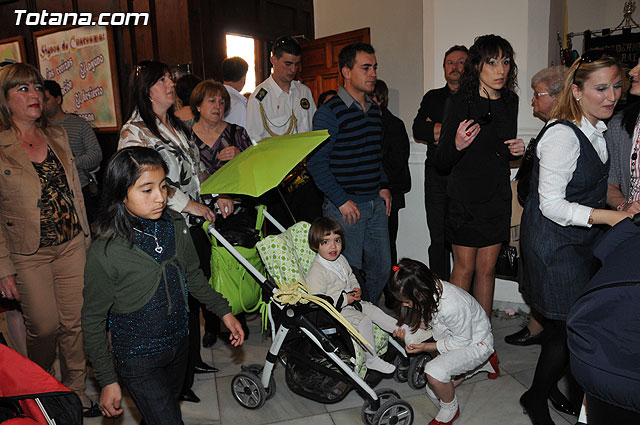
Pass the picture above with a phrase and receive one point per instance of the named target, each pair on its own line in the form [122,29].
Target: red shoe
[437,422]
[493,360]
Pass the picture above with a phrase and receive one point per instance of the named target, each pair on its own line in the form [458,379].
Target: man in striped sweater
[348,167]
[84,144]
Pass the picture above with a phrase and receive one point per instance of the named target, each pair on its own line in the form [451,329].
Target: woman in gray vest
[565,211]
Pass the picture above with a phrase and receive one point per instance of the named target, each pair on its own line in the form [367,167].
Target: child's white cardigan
[460,320]
[324,281]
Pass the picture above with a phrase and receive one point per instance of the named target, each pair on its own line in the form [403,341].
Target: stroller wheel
[394,412]
[257,369]
[384,395]
[402,369]
[248,390]
[416,377]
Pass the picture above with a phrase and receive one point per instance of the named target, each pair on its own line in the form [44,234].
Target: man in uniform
[426,130]
[281,105]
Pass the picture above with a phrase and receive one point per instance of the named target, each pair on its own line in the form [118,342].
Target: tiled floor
[482,401]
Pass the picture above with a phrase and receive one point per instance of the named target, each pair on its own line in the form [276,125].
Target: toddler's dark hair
[321,227]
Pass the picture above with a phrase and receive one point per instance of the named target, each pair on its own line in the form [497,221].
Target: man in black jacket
[426,130]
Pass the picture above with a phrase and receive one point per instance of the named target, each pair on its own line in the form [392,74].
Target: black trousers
[435,200]
[212,322]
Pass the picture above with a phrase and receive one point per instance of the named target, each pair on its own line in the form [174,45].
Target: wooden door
[319,68]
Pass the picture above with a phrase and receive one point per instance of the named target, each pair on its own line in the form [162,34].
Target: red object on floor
[494,363]
[436,422]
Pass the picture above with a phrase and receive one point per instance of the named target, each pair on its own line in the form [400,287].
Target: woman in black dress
[477,142]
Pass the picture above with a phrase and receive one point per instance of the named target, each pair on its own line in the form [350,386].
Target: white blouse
[558,152]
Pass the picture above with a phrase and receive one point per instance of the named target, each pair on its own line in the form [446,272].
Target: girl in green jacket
[138,275]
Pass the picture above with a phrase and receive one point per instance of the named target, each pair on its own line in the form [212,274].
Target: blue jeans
[366,244]
[154,383]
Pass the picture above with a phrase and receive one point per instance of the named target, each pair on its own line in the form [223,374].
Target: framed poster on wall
[82,61]
[12,49]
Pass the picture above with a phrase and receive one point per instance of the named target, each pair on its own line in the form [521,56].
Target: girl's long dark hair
[415,282]
[145,75]
[122,172]
[484,48]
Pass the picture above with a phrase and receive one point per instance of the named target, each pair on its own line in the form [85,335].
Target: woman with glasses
[152,123]
[565,212]
[477,141]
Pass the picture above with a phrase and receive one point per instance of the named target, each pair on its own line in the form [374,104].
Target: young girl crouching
[138,274]
[330,274]
[460,326]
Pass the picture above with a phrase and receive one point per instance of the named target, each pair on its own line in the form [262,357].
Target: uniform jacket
[20,193]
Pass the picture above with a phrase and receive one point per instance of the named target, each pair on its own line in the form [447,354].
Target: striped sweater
[348,166]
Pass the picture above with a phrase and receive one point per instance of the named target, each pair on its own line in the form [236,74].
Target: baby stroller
[312,348]
[29,395]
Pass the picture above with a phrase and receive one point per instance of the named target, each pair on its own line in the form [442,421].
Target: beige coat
[20,193]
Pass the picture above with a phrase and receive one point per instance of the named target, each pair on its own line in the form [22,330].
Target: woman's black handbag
[507,264]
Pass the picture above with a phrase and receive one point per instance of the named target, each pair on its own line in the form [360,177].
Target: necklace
[158,248]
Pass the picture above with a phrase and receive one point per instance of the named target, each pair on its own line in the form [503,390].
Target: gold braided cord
[298,292]
[293,123]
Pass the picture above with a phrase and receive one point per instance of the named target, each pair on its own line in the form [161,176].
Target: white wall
[396,34]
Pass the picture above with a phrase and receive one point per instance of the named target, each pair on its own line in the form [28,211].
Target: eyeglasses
[591,56]
[540,94]
[486,118]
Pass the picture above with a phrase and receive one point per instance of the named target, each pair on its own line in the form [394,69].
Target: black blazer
[395,156]
[482,168]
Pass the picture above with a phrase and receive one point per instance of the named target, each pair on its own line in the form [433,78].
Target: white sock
[447,410]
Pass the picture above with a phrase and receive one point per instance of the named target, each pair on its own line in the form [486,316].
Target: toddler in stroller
[331,275]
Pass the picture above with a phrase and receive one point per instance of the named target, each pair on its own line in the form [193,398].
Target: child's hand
[420,347]
[354,295]
[400,333]
[110,398]
[414,348]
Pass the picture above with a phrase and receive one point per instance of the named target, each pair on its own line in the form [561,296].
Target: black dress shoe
[202,367]
[209,339]
[523,337]
[189,396]
[534,416]
[562,404]
[92,411]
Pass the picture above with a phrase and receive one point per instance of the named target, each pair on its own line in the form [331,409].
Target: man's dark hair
[53,88]
[456,48]
[286,45]
[233,69]
[347,56]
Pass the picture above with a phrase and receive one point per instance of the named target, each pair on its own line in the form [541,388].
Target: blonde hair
[15,75]
[567,107]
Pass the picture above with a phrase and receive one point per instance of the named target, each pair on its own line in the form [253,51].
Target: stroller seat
[287,257]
